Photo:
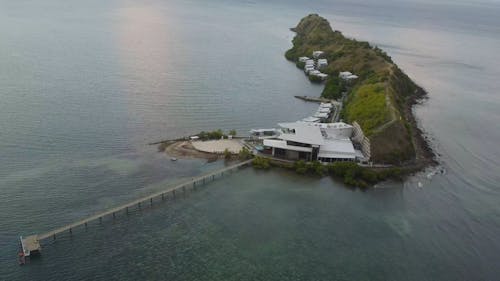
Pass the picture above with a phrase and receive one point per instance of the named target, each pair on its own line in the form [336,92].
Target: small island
[379,99]
[363,132]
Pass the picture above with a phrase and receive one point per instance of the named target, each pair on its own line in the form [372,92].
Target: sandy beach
[210,150]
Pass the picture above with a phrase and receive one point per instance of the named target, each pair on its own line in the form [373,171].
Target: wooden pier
[32,242]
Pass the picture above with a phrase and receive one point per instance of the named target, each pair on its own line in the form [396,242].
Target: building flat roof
[341,147]
[304,133]
[310,119]
[321,115]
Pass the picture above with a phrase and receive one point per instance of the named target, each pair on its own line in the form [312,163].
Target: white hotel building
[325,142]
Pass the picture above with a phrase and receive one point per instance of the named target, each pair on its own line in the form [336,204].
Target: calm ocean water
[84,86]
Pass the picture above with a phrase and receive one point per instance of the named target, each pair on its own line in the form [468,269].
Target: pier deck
[124,207]
[30,244]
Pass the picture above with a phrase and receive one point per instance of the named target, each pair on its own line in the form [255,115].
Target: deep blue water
[86,85]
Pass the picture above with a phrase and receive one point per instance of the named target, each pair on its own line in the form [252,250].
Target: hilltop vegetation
[368,106]
[381,98]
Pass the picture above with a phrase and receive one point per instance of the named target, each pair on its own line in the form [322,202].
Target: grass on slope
[368,106]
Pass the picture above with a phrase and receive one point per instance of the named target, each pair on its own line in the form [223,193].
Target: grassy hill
[380,100]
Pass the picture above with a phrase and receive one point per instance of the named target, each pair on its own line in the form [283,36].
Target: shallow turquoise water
[86,85]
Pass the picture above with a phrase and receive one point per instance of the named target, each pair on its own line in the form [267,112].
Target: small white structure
[322,76]
[308,69]
[322,63]
[314,72]
[348,76]
[324,110]
[317,54]
[311,119]
[309,62]
[326,105]
[303,59]
[321,115]
[194,138]
[344,74]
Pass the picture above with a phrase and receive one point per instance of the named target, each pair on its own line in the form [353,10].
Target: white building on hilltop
[322,63]
[318,54]
[348,76]
[303,59]
[325,142]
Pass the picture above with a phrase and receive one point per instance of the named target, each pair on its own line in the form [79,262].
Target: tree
[227,154]
[261,163]
[300,167]
[317,168]
[232,132]
[244,154]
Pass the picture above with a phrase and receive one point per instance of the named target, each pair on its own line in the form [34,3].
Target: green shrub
[340,169]
[333,88]
[214,135]
[317,168]
[244,154]
[227,154]
[369,176]
[300,167]
[315,79]
[368,107]
[261,163]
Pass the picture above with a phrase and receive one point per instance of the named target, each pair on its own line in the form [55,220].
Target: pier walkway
[31,243]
